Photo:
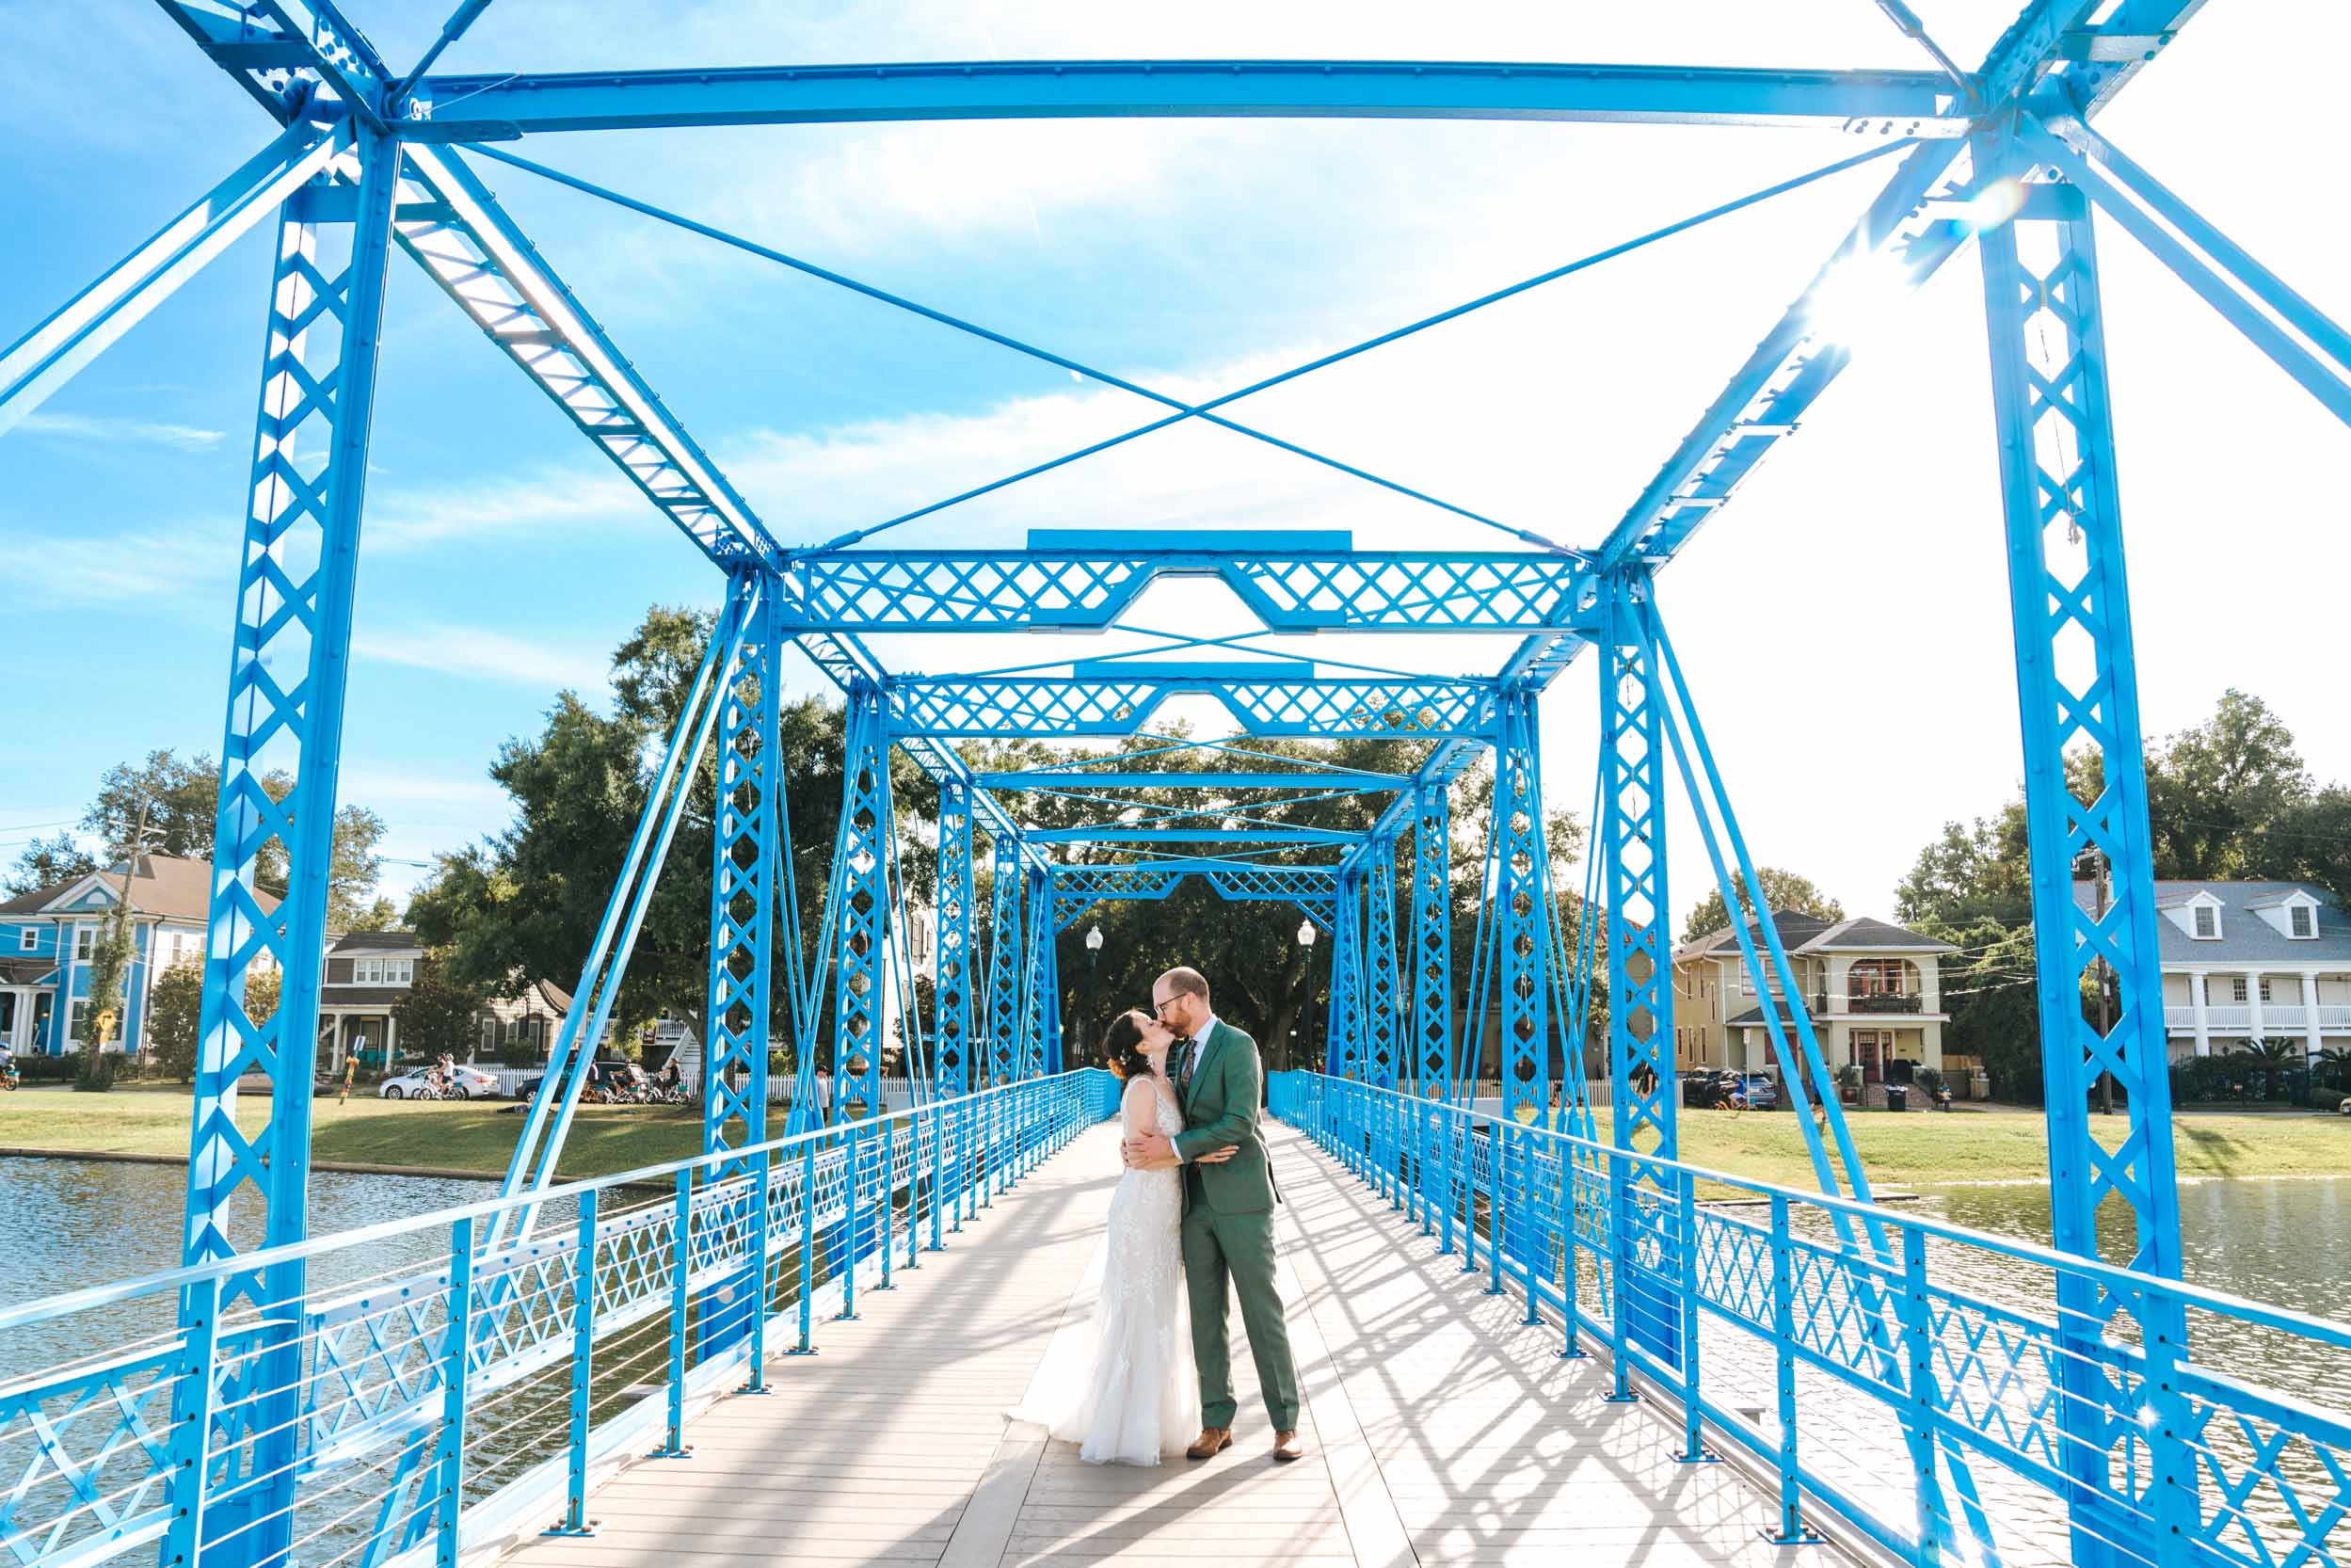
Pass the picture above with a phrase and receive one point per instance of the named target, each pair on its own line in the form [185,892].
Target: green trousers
[1240,1248]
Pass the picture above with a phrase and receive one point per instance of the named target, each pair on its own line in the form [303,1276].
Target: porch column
[2253,1002]
[2309,1015]
[391,1037]
[2195,1010]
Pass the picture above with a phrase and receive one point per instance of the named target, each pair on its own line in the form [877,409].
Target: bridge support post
[457,1362]
[575,1519]
[1005,965]
[1791,1531]
[1343,1054]
[951,988]
[2085,795]
[287,670]
[743,883]
[680,1304]
[1522,961]
[1433,986]
[745,846]
[1631,831]
[868,839]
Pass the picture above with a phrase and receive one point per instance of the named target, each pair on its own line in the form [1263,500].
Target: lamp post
[1094,981]
[1306,935]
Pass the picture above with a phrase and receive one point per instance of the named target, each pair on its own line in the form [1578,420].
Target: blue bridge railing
[1908,1380]
[446,1394]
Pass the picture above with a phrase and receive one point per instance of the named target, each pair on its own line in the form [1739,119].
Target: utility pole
[2105,1081]
[118,945]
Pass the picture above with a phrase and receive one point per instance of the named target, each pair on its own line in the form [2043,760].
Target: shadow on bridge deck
[1443,1429]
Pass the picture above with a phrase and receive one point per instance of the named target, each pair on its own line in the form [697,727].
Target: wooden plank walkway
[1443,1430]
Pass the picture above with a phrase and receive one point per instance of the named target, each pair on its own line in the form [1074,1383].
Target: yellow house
[1872,990]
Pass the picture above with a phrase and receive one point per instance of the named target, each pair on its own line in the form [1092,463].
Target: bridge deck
[1443,1431]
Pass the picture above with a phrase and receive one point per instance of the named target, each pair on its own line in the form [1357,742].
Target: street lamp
[1306,935]
[1093,980]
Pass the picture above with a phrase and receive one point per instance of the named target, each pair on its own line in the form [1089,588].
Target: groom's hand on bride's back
[1154,1151]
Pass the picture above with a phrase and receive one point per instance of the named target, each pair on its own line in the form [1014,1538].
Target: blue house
[48,938]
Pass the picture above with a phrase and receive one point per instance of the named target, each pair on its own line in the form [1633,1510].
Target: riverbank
[1928,1148]
[476,1137]
[442,1138]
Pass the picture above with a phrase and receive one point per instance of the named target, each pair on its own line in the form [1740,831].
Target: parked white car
[467,1083]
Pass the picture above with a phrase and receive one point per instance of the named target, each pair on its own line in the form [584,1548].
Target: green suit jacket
[1219,1106]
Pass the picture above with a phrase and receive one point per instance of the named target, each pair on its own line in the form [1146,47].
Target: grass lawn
[1920,1148]
[449,1134]
[1900,1152]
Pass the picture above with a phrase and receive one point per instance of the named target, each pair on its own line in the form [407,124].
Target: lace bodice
[1141,1396]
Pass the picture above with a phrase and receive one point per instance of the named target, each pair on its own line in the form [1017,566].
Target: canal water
[69,1224]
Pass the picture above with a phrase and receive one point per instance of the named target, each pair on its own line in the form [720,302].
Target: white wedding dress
[1140,1392]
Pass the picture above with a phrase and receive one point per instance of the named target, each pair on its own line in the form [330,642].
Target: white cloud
[179,437]
[146,567]
[419,518]
[470,653]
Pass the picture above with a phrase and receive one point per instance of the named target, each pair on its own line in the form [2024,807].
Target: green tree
[524,904]
[181,801]
[1785,891]
[437,1014]
[2216,792]
[174,1003]
[49,862]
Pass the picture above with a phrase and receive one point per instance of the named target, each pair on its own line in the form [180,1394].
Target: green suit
[1228,1228]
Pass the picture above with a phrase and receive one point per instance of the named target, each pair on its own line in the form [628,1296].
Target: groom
[1228,1213]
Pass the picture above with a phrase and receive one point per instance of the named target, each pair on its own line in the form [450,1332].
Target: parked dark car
[600,1071]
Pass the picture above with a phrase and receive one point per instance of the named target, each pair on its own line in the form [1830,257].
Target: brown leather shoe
[1288,1449]
[1211,1442]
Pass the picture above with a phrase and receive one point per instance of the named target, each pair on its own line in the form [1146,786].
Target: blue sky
[1845,622]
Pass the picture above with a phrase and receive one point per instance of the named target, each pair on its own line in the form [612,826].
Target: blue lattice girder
[1006,964]
[1386,1003]
[956,971]
[1292,582]
[745,845]
[455,229]
[1429,956]
[2077,689]
[1631,834]
[1522,961]
[862,911]
[284,717]
[49,355]
[1918,103]
[1344,1054]
[1020,707]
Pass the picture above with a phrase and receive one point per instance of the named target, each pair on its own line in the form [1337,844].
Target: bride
[1141,1394]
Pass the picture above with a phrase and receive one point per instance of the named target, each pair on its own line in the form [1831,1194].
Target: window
[398,971]
[1877,977]
[27,939]
[2236,988]
[2208,925]
[2301,921]
[85,939]
[381,972]
[74,1016]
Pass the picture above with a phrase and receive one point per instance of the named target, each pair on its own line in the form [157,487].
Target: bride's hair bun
[1123,1044]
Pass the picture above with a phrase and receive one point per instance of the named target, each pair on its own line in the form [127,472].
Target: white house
[2250,961]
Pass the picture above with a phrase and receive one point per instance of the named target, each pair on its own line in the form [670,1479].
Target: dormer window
[381,972]
[2207,923]
[2302,922]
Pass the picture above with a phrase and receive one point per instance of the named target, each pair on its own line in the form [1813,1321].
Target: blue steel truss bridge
[519,1371]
